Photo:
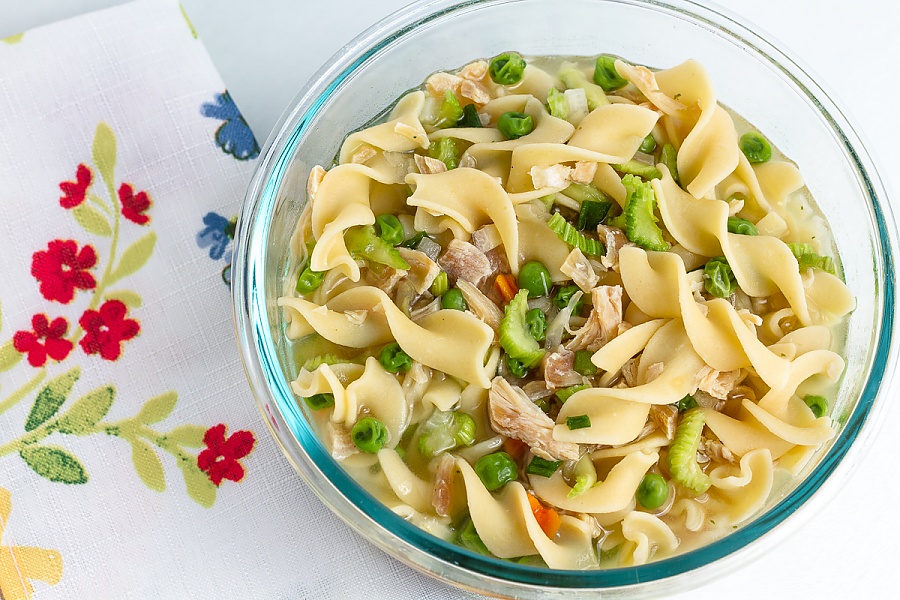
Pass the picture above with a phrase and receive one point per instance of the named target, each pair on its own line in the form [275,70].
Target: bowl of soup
[590,295]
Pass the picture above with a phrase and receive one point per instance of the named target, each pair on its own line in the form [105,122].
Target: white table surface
[266,49]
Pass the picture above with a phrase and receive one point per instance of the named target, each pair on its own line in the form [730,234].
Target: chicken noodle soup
[563,312]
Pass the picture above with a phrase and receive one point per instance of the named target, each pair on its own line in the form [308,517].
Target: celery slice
[362,242]
[682,457]
[514,335]
[572,237]
[640,220]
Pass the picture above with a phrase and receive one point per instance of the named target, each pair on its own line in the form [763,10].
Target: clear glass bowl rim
[406,541]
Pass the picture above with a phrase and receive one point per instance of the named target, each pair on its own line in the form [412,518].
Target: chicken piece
[557,176]
[386,279]
[415,134]
[474,91]
[717,383]
[536,390]
[578,268]
[416,382]
[603,322]
[312,184]
[584,171]
[512,414]
[654,371]
[362,154]
[422,310]
[442,498]
[474,71]
[735,205]
[342,444]
[559,369]
[422,270]
[438,84]
[467,161]
[665,417]
[629,372]
[716,451]
[356,317]
[614,239]
[644,80]
[429,166]
[480,305]
[462,260]
[486,238]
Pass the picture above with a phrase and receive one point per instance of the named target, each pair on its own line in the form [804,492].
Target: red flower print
[133,206]
[106,329]
[54,345]
[220,458]
[75,191]
[61,268]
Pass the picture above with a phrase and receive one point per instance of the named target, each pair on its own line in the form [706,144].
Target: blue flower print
[233,136]
[215,235]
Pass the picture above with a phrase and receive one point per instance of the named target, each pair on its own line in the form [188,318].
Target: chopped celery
[309,281]
[585,476]
[573,78]
[445,151]
[363,243]
[669,157]
[583,364]
[592,214]
[450,111]
[469,539]
[633,167]
[567,233]
[640,220]
[445,430]
[440,285]
[542,467]
[514,335]
[808,259]
[741,226]
[566,393]
[582,192]
[556,102]
[682,459]
[315,362]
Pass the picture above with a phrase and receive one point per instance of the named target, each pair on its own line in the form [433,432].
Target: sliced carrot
[546,517]
[505,284]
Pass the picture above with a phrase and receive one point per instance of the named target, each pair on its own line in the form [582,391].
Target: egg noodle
[563,313]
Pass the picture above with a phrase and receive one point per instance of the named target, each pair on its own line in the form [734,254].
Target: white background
[266,49]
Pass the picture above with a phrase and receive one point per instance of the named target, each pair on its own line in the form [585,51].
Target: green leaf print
[147,464]
[157,408]
[129,298]
[189,436]
[9,356]
[14,39]
[51,397]
[199,487]
[92,220]
[134,257]
[104,154]
[87,411]
[54,463]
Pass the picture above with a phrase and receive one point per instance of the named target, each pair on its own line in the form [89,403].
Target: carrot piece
[547,518]
[515,448]
[505,284]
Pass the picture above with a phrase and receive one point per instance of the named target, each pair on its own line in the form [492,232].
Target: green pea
[516,367]
[514,125]
[536,322]
[652,492]
[470,540]
[755,147]
[605,74]
[507,68]
[534,277]
[648,145]
[309,281]
[817,404]
[718,278]
[319,401]
[389,228]
[564,294]
[369,434]
[583,364]
[496,470]
[741,226]
[394,359]
[453,299]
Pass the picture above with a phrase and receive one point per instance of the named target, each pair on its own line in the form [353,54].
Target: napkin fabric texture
[133,460]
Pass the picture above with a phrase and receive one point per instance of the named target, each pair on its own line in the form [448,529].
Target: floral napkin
[133,460]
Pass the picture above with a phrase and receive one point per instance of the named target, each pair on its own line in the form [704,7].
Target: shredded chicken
[665,416]
[416,134]
[428,166]
[438,84]
[474,71]
[749,319]
[467,161]
[485,119]
[416,382]
[386,279]
[629,372]
[654,371]
[362,154]
[735,206]
[462,260]
[514,415]
[584,171]
[430,247]
[559,369]
[342,444]
[425,309]
[474,91]
[603,322]
[644,80]
[312,184]
[615,239]
[480,305]
[535,390]
[356,317]
[422,270]
[716,451]
[717,383]
[442,498]
[486,238]
[578,268]
[557,176]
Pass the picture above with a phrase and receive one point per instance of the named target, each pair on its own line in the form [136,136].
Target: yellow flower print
[21,564]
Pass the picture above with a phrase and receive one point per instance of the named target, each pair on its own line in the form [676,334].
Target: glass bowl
[752,77]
